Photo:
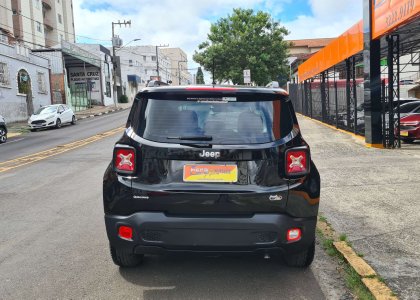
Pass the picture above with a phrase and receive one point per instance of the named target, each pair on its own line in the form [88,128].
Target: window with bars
[4,74]
[42,86]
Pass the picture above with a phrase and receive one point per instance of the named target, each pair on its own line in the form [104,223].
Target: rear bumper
[156,233]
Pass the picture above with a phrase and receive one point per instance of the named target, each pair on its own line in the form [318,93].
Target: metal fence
[331,102]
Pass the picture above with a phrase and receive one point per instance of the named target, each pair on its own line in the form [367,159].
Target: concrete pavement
[372,196]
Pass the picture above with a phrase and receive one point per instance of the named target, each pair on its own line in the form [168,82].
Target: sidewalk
[100,110]
[372,196]
[17,128]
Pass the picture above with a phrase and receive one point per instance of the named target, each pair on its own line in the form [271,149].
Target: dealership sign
[389,14]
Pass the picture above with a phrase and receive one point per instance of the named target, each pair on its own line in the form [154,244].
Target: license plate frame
[210,173]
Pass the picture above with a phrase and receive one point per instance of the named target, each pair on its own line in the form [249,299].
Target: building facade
[6,23]
[301,50]
[38,23]
[80,78]
[138,65]
[179,62]
[24,82]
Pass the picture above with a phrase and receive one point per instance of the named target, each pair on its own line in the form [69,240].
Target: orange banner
[389,14]
[346,45]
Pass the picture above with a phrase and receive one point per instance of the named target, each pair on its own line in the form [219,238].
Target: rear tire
[125,258]
[302,259]
[73,120]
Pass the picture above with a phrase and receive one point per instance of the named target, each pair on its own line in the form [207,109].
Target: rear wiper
[191,138]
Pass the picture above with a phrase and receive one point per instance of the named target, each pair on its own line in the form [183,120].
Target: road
[53,242]
[33,142]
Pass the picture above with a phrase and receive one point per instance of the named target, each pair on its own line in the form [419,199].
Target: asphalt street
[33,142]
[53,243]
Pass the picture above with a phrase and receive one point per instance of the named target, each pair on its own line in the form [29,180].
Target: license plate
[210,173]
[404,133]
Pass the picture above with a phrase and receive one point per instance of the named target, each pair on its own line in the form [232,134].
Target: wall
[12,104]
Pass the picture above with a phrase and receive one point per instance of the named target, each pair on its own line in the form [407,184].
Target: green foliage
[123,99]
[245,40]
[200,76]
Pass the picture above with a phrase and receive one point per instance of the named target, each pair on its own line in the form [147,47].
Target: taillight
[125,232]
[297,162]
[294,235]
[124,159]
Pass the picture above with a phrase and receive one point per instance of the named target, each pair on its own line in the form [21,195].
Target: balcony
[48,23]
[47,4]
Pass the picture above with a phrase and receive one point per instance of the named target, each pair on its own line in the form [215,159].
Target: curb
[369,277]
[13,134]
[100,113]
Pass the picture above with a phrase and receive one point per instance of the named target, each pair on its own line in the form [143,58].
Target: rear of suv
[211,170]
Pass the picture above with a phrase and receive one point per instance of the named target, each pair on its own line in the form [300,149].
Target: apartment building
[138,65]
[6,23]
[179,62]
[37,23]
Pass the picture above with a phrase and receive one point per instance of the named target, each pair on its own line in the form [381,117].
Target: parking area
[372,196]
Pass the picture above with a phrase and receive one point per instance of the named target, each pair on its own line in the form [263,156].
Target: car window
[60,108]
[408,107]
[46,110]
[224,122]
[417,111]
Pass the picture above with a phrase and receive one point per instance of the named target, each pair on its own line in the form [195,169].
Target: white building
[24,82]
[106,97]
[139,64]
[179,70]
[38,23]
[80,78]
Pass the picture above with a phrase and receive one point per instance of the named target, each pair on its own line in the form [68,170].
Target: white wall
[12,104]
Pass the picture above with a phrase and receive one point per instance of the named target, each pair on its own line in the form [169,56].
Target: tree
[245,40]
[200,76]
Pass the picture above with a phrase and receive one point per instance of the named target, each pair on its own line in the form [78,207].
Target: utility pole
[114,58]
[157,58]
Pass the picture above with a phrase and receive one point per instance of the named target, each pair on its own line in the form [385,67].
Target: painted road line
[25,160]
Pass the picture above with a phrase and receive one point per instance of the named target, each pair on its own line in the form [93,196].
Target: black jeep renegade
[212,170]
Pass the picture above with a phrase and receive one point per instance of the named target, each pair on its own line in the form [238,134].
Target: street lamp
[134,40]
[179,71]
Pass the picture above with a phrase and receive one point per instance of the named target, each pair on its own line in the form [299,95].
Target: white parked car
[51,116]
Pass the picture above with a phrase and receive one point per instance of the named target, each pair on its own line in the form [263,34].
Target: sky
[186,23]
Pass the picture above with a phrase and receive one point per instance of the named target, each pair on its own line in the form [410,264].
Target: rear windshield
[184,121]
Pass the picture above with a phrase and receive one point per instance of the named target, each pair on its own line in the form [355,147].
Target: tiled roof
[311,43]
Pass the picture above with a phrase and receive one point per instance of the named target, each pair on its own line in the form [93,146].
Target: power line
[74,34]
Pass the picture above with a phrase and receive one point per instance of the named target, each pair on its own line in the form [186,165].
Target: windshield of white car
[45,110]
